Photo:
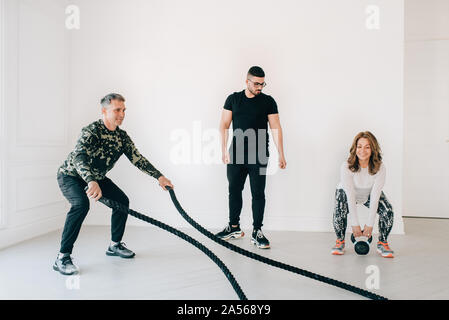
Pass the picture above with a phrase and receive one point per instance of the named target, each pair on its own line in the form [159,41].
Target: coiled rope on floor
[118,206]
[271,262]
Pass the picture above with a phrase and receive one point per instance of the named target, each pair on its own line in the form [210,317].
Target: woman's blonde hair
[375,159]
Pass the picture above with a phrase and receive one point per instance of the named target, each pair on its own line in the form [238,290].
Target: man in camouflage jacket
[99,146]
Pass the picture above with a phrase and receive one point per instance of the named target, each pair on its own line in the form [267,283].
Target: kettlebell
[361,244]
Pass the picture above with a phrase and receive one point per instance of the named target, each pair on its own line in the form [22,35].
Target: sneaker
[230,232]
[384,250]
[339,248]
[259,239]
[65,266]
[120,250]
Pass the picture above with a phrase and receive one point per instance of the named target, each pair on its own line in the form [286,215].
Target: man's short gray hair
[106,101]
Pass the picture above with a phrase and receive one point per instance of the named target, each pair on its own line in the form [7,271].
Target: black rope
[271,262]
[118,206]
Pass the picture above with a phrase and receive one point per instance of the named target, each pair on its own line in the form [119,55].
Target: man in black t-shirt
[249,111]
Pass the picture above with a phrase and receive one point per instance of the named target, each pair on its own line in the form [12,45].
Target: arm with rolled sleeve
[139,160]
[83,150]
[376,191]
[348,186]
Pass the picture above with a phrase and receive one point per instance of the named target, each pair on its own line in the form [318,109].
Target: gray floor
[167,267]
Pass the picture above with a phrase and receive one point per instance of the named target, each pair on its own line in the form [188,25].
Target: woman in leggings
[362,178]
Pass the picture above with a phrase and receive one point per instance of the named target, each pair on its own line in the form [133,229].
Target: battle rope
[116,205]
[271,262]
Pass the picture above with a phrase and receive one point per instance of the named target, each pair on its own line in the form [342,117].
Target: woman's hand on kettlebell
[367,231]
[357,231]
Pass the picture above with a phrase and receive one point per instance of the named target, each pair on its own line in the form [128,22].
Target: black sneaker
[259,239]
[120,250]
[230,232]
[65,266]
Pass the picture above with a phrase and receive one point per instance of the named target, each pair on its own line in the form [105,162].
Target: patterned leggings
[384,210]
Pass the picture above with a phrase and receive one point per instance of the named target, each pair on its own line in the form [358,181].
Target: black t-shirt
[252,114]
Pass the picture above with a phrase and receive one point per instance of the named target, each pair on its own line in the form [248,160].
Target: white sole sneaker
[338,252]
[266,246]
[234,235]
[385,255]
[55,267]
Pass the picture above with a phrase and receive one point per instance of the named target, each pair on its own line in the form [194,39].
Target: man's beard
[256,92]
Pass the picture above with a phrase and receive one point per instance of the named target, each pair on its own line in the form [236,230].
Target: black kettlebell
[361,244]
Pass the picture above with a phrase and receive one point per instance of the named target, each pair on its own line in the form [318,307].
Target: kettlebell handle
[370,239]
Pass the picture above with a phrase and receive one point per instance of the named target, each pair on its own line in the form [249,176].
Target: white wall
[176,62]
[34,117]
[426,109]
[2,114]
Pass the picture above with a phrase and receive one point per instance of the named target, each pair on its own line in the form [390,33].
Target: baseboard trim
[208,221]
[431,218]
[13,235]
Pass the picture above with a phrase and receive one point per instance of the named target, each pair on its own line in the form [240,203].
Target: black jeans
[237,174]
[73,189]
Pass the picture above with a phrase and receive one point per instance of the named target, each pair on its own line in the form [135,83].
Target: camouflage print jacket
[97,151]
